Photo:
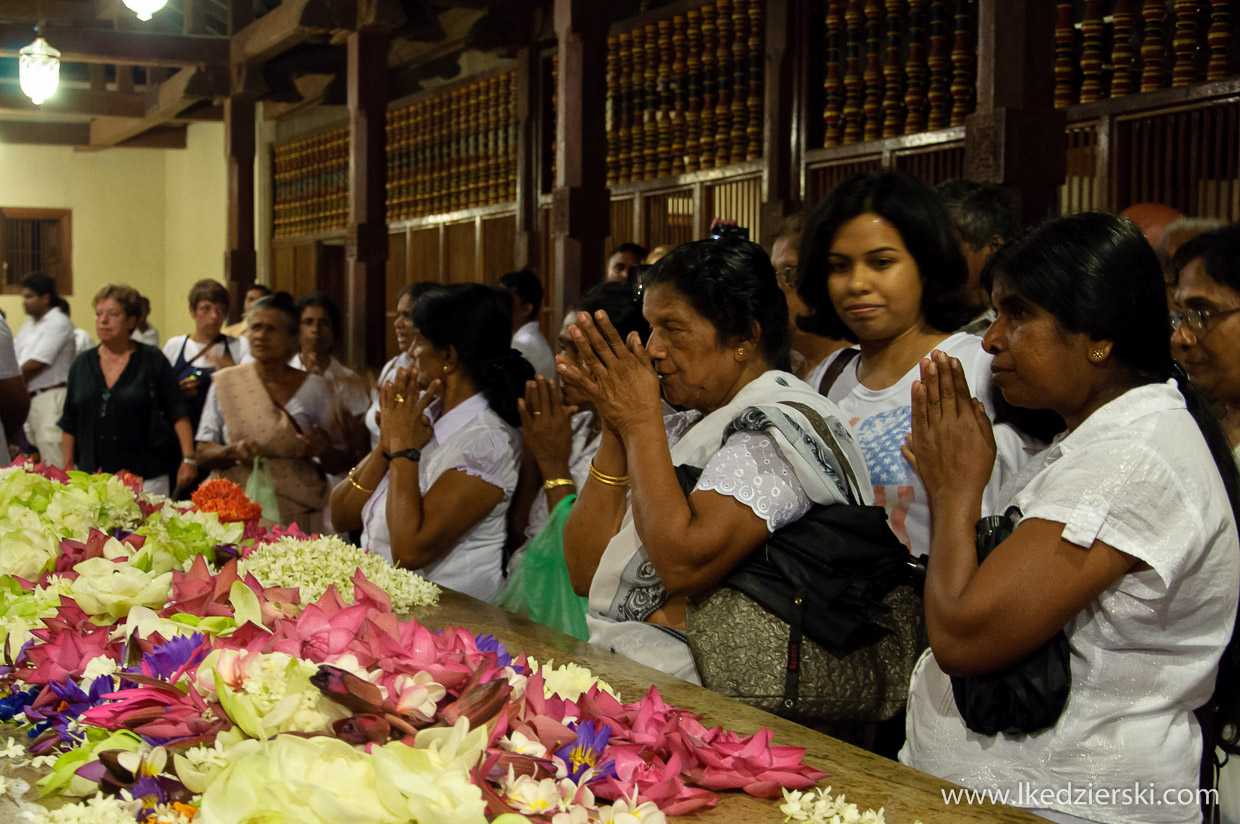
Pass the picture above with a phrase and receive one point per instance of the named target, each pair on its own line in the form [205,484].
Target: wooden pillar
[1016,137]
[525,251]
[366,242]
[240,261]
[580,206]
[786,102]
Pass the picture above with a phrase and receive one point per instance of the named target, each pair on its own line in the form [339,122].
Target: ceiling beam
[51,11]
[76,101]
[290,23]
[175,95]
[47,134]
[118,47]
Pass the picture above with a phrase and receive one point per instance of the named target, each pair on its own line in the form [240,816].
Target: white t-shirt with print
[883,417]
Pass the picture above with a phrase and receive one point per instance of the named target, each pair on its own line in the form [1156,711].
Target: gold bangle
[552,483]
[356,485]
[609,480]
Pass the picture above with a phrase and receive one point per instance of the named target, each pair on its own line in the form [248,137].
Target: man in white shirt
[527,294]
[14,400]
[45,349]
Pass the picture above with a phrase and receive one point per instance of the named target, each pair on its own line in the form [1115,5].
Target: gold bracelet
[552,483]
[356,485]
[609,480]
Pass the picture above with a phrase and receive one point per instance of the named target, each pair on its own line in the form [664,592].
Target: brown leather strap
[836,369]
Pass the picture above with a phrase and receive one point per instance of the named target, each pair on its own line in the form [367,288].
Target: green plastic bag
[539,589]
[262,490]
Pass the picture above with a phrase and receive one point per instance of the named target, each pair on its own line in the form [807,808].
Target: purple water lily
[168,660]
[62,704]
[586,753]
[489,643]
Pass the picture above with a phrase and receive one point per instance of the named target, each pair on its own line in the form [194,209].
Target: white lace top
[751,469]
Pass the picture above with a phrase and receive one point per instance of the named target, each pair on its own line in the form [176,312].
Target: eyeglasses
[1198,320]
[787,277]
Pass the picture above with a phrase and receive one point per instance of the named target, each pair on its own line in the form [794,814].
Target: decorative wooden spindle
[1152,46]
[723,99]
[962,66]
[510,113]
[852,72]
[1091,52]
[650,118]
[893,72]
[710,87]
[1121,48]
[873,75]
[624,139]
[637,144]
[938,64]
[757,59]
[475,183]
[680,88]
[833,84]
[663,118]
[613,110]
[915,69]
[1184,43]
[739,113]
[1218,38]
[555,99]
[693,115]
[1065,63]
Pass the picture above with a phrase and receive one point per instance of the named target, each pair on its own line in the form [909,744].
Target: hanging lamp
[39,70]
[145,8]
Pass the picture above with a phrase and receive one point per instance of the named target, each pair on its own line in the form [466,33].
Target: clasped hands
[403,422]
[952,442]
[616,375]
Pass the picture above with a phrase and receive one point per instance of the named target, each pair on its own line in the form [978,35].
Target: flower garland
[161,679]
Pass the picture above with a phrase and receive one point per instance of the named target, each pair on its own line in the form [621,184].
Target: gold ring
[537,412]
[400,398]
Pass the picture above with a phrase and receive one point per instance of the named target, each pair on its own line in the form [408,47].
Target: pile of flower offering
[167,663]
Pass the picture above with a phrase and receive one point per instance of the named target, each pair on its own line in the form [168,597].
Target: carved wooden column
[785,97]
[240,258]
[525,254]
[580,203]
[367,238]
[1016,137]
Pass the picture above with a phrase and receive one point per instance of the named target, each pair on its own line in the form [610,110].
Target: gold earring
[445,367]
[1098,355]
[740,351]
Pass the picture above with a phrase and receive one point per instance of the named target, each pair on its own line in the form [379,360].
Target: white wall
[152,218]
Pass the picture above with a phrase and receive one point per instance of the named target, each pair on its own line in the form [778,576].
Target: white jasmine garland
[314,565]
[820,807]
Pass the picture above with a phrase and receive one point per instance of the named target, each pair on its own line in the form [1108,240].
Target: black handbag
[820,622]
[1029,695]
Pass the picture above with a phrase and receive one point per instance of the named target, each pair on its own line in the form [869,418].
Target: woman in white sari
[719,350]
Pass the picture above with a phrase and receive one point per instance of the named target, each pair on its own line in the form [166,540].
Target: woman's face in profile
[426,358]
[696,369]
[270,338]
[403,324]
[873,280]
[1037,363]
[1209,355]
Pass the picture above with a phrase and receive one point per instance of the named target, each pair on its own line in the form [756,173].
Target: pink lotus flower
[68,646]
[753,765]
[157,709]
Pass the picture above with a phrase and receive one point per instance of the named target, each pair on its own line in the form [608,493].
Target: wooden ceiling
[129,83]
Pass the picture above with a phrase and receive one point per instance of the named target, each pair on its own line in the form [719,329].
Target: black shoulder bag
[1029,695]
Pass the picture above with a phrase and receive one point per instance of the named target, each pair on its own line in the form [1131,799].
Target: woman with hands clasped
[266,408]
[718,347]
[1127,538]
[433,494]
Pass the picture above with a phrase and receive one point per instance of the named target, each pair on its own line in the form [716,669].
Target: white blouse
[472,439]
[401,361]
[1136,475]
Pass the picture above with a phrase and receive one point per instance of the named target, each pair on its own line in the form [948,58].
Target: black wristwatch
[414,455]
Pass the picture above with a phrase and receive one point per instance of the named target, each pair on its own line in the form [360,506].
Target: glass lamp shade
[39,69]
[145,8]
